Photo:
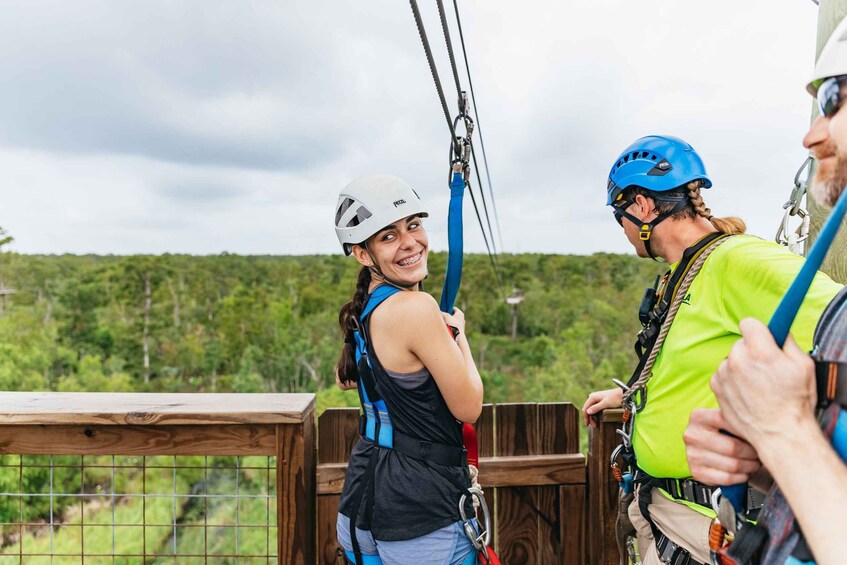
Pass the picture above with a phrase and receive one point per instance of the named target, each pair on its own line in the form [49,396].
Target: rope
[647,371]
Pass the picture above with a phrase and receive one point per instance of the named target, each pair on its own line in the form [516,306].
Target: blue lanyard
[455,244]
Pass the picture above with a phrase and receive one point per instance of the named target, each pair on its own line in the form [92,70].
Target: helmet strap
[645,230]
[376,271]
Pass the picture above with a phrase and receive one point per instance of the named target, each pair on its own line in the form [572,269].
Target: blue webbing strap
[455,243]
[787,310]
[375,410]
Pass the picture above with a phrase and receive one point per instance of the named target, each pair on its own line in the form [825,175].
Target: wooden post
[602,490]
[830,14]
[296,495]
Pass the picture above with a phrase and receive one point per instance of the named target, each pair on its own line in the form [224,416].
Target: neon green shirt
[745,277]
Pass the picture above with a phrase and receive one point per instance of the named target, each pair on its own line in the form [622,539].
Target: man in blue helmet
[788,405]
[717,277]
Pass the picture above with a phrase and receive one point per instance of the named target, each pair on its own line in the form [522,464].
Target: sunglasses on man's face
[618,210]
[829,96]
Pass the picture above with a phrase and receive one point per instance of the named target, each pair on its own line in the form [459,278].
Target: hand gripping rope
[732,498]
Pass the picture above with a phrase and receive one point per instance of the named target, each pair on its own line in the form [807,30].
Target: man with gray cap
[790,408]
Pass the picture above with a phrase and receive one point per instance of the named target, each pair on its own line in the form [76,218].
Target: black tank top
[411,497]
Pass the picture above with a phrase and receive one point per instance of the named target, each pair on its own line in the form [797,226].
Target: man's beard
[826,192]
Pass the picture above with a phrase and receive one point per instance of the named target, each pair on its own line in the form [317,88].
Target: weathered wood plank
[517,523]
[552,438]
[523,471]
[113,408]
[296,497]
[602,490]
[572,512]
[338,431]
[485,431]
[226,439]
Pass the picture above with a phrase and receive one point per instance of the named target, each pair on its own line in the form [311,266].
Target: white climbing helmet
[832,60]
[370,203]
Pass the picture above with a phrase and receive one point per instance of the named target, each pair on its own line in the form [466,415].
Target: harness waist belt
[672,554]
[690,490]
[431,452]
[831,378]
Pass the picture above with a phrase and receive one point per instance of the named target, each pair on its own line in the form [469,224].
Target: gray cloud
[198,127]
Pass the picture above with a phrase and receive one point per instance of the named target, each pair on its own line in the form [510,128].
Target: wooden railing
[548,508]
[279,427]
[550,503]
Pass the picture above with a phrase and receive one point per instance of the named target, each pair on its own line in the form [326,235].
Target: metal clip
[480,541]
[792,207]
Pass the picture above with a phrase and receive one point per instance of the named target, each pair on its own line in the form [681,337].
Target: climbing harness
[376,427]
[657,312]
[795,240]
[730,502]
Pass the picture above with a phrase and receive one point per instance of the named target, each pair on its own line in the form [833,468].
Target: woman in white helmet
[417,383]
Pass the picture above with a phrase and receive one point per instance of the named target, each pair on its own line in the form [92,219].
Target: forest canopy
[269,323]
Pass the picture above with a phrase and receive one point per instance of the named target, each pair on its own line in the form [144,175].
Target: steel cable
[478,126]
[432,69]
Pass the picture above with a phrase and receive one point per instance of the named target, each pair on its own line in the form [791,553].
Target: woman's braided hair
[695,207]
[348,319]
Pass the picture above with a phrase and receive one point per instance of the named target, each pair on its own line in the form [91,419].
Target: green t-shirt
[745,277]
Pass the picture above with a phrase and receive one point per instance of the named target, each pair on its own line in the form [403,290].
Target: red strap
[489,557]
[469,439]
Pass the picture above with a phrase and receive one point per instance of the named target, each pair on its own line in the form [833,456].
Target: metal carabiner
[479,541]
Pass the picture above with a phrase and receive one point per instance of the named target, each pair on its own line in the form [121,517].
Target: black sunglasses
[618,210]
[829,95]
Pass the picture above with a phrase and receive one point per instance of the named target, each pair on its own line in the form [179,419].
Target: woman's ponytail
[729,225]
[348,319]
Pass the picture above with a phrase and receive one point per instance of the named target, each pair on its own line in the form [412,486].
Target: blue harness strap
[455,244]
[378,426]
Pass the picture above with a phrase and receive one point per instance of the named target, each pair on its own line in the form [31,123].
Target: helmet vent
[345,205]
[362,214]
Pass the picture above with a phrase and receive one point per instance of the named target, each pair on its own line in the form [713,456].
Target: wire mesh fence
[97,509]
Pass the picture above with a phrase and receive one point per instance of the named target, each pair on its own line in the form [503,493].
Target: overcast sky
[202,127]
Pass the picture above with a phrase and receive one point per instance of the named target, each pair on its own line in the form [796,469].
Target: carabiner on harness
[784,235]
[480,541]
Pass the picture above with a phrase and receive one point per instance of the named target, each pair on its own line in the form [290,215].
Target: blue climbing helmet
[659,163]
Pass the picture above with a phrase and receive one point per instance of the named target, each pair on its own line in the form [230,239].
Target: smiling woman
[417,383]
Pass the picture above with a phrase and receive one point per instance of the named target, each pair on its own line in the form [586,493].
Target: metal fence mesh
[137,509]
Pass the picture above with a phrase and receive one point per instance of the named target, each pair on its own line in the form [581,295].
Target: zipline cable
[446,29]
[456,147]
[432,69]
[479,129]
[482,193]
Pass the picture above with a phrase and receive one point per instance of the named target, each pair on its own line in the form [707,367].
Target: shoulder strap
[376,298]
[669,289]
[645,367]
